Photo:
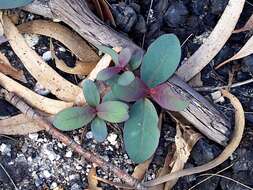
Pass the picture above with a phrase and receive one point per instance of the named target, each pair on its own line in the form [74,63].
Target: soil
[39,162]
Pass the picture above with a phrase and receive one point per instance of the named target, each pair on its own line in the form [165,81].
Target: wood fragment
[248,26]
[215,41]
[59,86]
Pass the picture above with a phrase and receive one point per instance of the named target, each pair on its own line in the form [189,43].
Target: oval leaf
[126,78]
[113,111]
[136,60]
[74,118]
[124,57]
[108,73]
[109,97]
[165,96]
[161,60]
[91,93]
[141,133]
[9,4]
[99,129]
[135,91]
[111,52]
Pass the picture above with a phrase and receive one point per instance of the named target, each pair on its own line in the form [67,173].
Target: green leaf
[168,99]
[124,56]
[141,133]
[136,60]
[126,78]
[109,97]
[108,73]
[9,4]
[161,60]
[132,92]
[91,93]
[74,118]
[99,129]
[113,111]
[111,52]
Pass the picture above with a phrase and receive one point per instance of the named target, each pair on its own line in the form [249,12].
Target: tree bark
[75,13]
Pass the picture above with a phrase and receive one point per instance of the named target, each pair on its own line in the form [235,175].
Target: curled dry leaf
[18,125]
[71,40]
[215,41]
[107,14]
[246,27]
[42,103]
[7,69]
[246,50]
[40,70]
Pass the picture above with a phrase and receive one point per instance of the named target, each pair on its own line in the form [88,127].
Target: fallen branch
[77,15]
[33,115]
[227,152]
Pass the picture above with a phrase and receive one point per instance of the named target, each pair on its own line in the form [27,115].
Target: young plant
[95,112]
[126,61]
[9,4]
[141,133]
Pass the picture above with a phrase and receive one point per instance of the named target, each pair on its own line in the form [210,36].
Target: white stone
[38,88]
[69,154]
[47,56]
[62,49]
[53,185]
[33,136]
[5,149]
[78,167]
[31,39]
[112,137]
[46,174]
[89,135]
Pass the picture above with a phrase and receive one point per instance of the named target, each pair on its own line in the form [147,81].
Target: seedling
[141,133]
[95,113]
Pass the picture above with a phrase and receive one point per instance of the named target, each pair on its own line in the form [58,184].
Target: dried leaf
[18,125]
[71,40]
[92,181]
[42,103]
[247,26]
[59,86]
[184,144]
[246,50]
[98,9]
[215,41]
[7,69]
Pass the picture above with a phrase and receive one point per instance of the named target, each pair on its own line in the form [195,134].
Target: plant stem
[32,114]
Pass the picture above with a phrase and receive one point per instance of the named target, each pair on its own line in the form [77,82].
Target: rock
[218,6]
[112,137]
[31,39]
[69,154]
[33,136]
[53,185]
[140,26]
[210,184]
[89,135]
[75,186]
[204,152]
[47,56]
[176,14]
[5,149]
[244,161]
[199,6]
[247,64]
[46,174]
[136,7]
[125,16]
[38,88]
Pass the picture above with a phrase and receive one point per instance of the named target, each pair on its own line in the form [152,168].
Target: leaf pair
[127,60]
[96,113]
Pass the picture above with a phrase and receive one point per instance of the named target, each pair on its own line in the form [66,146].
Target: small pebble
[38,88]
[31,39]
[5,149]
[33,136]
[112,137]
[47,56]
[89,135]
[69,154]
[46,174]
[53,185]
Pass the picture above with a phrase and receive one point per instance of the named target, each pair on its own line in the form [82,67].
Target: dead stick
[34,115]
